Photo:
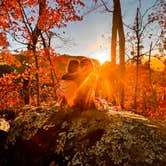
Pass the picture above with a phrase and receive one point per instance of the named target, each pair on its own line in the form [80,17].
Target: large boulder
[46,136]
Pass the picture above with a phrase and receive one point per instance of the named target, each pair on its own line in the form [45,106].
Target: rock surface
[52,137]
[4,125]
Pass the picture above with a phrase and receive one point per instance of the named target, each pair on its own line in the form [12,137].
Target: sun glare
[101,55]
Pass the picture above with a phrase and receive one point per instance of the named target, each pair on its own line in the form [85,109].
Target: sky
[91,36]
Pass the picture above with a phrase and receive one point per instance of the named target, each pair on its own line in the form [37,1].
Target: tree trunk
[26,89]
[114,34]
[117,29]
[52,71]
[121,54]
[137,58]
[32,46]
[37,79]
[149,66]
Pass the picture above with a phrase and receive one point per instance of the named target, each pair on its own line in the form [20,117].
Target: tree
[117,30]
[10,87]
[117,27]
[141,31]
[138,33]
[158,15]
[28,22]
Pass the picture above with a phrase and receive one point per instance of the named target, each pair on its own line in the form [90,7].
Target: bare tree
[140,32]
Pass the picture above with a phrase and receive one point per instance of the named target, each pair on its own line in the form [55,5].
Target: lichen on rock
[4,125]
[68,137]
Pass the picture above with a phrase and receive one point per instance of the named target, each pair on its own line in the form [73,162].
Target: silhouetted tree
[117,30]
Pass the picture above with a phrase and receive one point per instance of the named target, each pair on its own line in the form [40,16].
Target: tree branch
[106,7]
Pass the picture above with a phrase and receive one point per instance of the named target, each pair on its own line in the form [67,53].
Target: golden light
[155,63]
[102,55]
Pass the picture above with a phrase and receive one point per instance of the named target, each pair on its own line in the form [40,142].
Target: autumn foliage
[36,72]
[151,91]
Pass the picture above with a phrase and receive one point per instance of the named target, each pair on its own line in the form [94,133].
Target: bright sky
[91,37]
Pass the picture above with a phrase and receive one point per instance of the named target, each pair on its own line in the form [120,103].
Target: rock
[4,125]
[46,136]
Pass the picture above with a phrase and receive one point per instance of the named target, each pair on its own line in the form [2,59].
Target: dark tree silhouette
[117,30]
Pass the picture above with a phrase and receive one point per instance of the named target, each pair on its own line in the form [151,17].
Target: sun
[101,55]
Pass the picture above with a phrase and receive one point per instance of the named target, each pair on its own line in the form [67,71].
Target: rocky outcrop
[62,62]
[50,136]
